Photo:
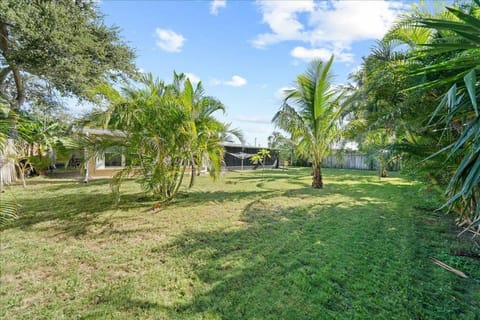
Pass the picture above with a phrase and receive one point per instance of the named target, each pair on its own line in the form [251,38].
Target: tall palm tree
[310,115]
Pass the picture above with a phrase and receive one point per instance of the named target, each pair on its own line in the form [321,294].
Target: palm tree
[260,158]
[168,128]
[309,114]
[458,112]
[8,207]
[205,131]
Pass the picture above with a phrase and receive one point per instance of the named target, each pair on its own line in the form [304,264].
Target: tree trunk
[383,172]
[317,182]
[192,176]
[4,47]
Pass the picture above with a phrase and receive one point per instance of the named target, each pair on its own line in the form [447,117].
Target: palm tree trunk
[192,176]
[184,167]
[384,173]
[317,182]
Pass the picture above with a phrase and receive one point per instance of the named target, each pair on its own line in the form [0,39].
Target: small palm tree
[261,157]
[309,114]
[168,129]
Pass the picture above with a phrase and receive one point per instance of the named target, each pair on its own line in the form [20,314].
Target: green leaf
[470,80]
[8,211]
[470,20]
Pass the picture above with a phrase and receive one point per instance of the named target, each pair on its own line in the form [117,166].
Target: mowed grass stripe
[245,247]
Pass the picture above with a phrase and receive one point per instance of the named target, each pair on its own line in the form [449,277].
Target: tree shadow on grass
[269,174]
[319,262]
[74,213]
[201,197]
[118,300]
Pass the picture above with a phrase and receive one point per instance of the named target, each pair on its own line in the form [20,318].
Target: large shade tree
[49,50]
[63,45]
[310,114]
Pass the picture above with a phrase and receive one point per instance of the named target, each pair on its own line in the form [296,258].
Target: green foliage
[9,208]
[63,45]
[458,110]
[168,128]
[396,92]
[261,157]
[424,59]
[284,150]
[244,247]
[48,50]
[310,115]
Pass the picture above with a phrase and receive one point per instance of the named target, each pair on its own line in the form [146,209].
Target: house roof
[120,133]
[238,145]
[100,132]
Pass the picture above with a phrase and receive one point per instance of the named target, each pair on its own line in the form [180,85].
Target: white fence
[355,161]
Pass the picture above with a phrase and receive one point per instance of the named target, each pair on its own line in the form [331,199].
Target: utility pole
[243,154]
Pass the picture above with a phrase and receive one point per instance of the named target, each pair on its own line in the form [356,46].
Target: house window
[112,157]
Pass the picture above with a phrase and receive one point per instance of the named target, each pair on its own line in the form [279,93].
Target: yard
[245,247]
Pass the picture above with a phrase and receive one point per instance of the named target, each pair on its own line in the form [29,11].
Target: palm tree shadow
[75,213]
[282,265]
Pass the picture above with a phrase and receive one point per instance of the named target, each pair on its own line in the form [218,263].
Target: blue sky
[245,52]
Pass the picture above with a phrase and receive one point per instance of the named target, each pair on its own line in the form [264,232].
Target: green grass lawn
[240,248]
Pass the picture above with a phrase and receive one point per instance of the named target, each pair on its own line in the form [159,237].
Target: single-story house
[107,163]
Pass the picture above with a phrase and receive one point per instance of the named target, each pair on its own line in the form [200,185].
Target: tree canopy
[57,45]
[169,127]
[418,88]
[310,113]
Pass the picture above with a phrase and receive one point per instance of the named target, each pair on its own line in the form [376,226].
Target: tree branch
[20,99]
[3,74]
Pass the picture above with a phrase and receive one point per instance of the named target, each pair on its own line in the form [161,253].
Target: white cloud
[194,79]
[282,18]
[351,21]
[217,4]
[320,53]
[235,81]
[169,40]
[257,132]
[280,94]
[327,26]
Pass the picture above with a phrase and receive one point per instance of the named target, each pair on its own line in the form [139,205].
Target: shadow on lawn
[118,298]
[320,262]
[74,212]
[77,210]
